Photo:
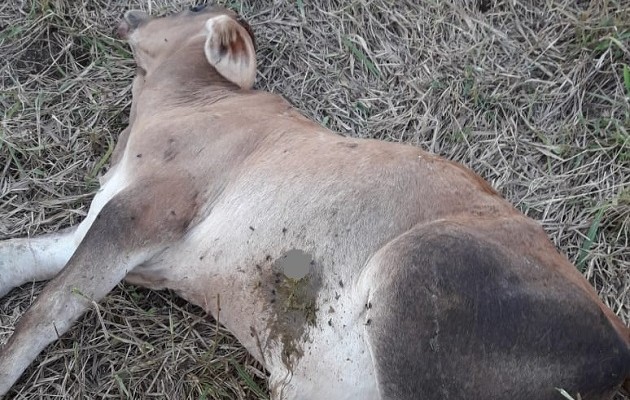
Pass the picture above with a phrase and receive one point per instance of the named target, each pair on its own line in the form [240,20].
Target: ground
[532,95]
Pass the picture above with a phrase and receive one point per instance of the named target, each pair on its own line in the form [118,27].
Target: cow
[349,268]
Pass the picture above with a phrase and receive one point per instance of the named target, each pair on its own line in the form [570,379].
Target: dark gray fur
[460,319]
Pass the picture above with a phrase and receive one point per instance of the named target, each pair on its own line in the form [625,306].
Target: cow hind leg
[453,316]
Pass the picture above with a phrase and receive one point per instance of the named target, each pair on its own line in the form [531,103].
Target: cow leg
[40,258]
[34,259]
[132,227]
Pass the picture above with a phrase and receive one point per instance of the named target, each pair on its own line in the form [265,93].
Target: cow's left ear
[230,49]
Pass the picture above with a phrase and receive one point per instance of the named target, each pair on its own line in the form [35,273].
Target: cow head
[216,32]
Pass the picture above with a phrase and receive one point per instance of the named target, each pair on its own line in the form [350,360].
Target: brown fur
[213,183]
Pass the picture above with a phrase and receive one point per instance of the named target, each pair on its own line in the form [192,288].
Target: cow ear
[230,50]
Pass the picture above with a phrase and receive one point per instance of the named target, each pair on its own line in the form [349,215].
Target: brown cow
[229,196]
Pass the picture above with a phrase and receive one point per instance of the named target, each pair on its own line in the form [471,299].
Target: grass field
[533,95]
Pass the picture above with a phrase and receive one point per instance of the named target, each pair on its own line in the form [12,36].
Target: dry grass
[530,94]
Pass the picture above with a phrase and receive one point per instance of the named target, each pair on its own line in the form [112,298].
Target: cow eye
[198,7]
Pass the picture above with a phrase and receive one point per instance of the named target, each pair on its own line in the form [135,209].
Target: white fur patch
[113,186]
[213,21]
[41,258]
[35,259]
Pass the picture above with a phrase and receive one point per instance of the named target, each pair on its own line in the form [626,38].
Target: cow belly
[336,365]
[328,356]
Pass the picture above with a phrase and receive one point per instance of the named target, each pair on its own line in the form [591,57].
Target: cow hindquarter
[455,315]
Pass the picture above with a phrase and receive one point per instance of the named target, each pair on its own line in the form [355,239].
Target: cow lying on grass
[351,269]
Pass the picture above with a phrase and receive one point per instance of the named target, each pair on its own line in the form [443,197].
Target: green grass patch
[626,78]
[590,239]
[248,380]
[361,57]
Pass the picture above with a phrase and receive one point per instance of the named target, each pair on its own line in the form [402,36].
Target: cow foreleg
[34,259]
[132,227]
[40,258]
